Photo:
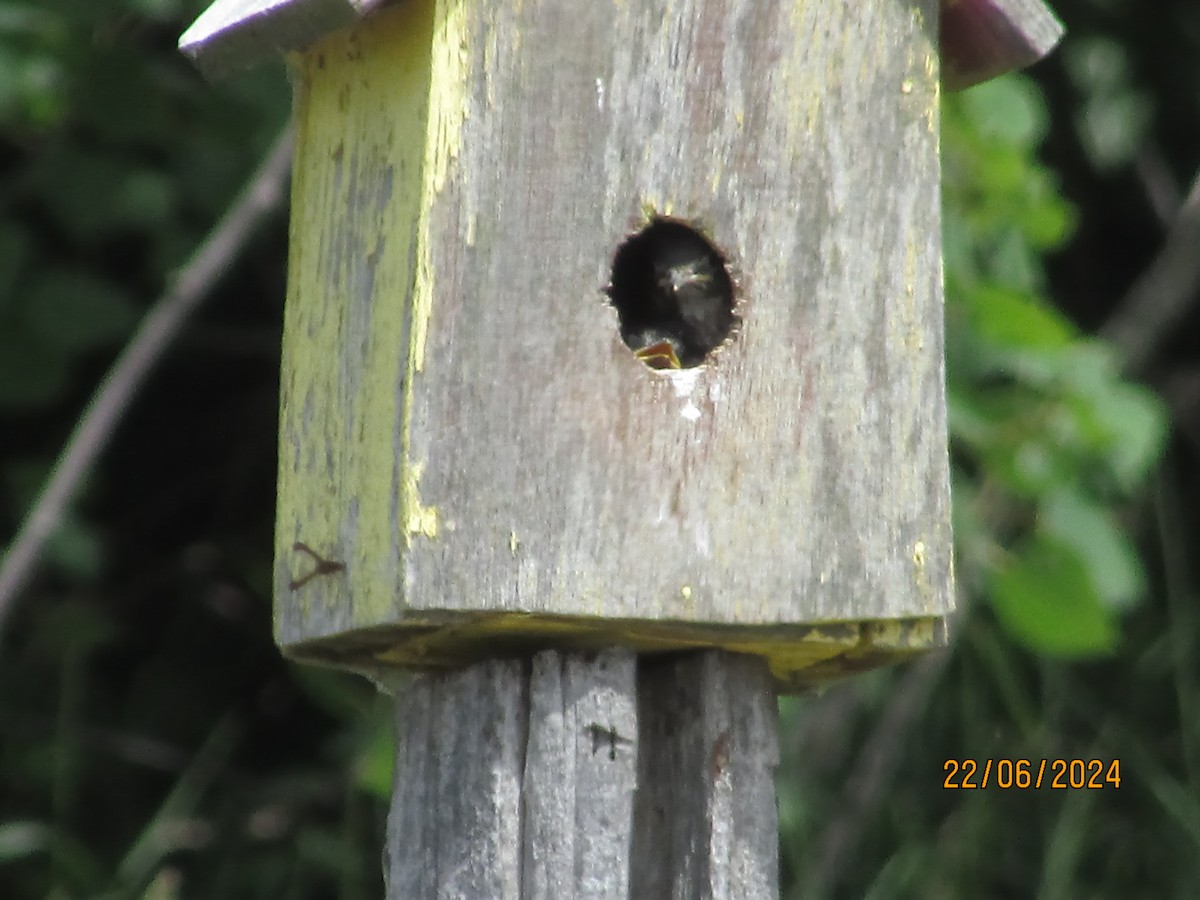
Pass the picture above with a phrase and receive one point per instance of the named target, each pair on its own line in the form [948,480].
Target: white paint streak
[684,382]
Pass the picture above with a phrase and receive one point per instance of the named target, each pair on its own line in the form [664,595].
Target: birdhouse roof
[979,39]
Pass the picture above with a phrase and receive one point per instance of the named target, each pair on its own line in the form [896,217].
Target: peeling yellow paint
[447,113]
[932,69]
[798,656]
[448,90]
[358,186]
[418,519]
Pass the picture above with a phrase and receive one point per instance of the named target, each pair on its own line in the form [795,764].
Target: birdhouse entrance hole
[673,295]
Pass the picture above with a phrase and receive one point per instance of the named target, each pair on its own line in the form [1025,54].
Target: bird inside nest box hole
[673,294]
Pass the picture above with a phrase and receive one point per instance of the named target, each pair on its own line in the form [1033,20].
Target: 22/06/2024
[1022,774]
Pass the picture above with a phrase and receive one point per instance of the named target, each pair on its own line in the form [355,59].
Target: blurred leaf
[993,183]
[1096,63]
[14,255]
[1015,255]
[339,694]
[1070,519]
[1008,109]
[77,311]
[145,200]
[160,9]
[1044,595]
[110,102]
[164,886]
[22,838]
[1112,129]
[75,548]
[1138,421]
[375,756]
[92,193]
[30,376]
[10,94]
[1013,318]
[1127,422]
[72,627]
[1114,116]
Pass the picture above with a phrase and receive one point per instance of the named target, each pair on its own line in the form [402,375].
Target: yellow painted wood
[358,302]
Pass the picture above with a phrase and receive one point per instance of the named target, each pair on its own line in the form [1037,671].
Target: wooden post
[527,780]
[612,403]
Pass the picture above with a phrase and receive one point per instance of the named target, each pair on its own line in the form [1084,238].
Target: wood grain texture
[985,37]
[585,776]
[508,784]
[454,829]
[705,824]
[462,425]
[580,776]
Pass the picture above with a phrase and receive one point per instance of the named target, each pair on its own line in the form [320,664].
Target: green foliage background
[153,743]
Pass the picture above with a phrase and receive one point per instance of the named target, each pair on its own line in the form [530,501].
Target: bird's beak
[659,355]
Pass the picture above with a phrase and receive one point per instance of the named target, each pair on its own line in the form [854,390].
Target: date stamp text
[1031,774]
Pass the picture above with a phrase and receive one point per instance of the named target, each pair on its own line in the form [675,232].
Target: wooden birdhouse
[616,324]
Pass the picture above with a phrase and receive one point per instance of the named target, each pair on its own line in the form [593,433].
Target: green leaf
[375,756]
[1019,260]
[1138,422]
[1127,423]
[1071,519]
[1009,109]
[1044,596]
[1014,318]
[75,548]
[145,200]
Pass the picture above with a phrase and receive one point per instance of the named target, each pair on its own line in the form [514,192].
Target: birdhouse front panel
[616,323]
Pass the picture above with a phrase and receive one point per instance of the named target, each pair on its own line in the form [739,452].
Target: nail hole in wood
[673,295]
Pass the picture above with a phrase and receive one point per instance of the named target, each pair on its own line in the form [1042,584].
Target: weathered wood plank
[454,829]
[706,824]
[979,39]
[515,781]
[462,424]
[580,775]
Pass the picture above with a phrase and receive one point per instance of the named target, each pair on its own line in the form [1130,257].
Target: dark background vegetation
[154,744]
